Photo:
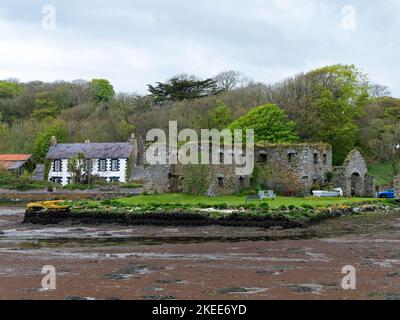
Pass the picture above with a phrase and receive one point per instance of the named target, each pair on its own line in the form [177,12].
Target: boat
[328,194]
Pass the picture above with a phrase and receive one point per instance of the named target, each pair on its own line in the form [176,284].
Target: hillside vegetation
[334,104]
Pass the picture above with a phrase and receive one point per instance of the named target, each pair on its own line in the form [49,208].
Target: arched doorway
[356,185]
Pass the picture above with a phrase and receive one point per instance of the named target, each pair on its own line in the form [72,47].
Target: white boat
[331,194]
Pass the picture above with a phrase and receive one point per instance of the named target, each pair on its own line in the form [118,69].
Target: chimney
[53,141]
[132,139]
[87,141]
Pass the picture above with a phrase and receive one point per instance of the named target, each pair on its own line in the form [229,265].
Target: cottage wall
[64,175]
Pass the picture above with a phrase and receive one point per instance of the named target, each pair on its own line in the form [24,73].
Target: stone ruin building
[288,169]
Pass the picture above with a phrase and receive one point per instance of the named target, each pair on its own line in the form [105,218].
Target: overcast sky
[134,43]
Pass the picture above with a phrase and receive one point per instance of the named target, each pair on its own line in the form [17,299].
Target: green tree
[46,107]
[220,116]
[77,168]
[178,89]
[41,144]
[101,90]
[9,90]
[269,124]
[340,94]
[386,144]
[2,127]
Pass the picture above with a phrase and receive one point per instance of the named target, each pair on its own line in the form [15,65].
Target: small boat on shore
[328,194]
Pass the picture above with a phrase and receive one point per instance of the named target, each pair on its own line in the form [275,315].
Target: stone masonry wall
[397,186]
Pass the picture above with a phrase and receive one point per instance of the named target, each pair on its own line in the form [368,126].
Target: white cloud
[134,43]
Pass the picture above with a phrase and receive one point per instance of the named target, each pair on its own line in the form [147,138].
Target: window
[56,180]
[325,158]
[102,165]
[316,158]
[263,157]
[241,183]
[57,167]
[114,165]
[88,165]
[291,156]
[220,182]
[114,179]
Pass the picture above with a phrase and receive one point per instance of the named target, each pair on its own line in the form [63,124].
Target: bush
[11,181]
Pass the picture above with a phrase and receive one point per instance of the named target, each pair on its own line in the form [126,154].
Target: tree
[229,80]
[269,124]
[46,107]
[2,127]
[101,90]
[386,145]
[77,168]
[41,144]
[9,89]
[220,116]
[326,104]
[178,89]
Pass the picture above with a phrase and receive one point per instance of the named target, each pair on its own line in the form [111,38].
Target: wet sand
[114,262]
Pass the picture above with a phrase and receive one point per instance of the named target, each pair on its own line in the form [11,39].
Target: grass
[382,173]
[184,199]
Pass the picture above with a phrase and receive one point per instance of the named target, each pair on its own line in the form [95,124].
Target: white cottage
[107,160]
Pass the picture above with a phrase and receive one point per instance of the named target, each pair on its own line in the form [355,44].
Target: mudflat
[114,262]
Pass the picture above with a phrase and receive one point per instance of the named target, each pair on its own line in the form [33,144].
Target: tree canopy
[178,89]
[269,124]
[101,90]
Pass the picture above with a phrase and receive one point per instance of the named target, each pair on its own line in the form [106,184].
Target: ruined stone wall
[370,186]
[397,187]
[295,169]
[292,169]
[353,176]
[157,179]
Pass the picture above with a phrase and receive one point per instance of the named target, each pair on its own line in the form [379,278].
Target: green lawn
[382,173]
[235,200]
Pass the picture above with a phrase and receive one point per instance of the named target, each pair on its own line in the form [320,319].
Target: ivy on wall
[197,179]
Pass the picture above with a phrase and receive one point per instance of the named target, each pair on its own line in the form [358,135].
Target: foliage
[269,124]
[41,144]
[9,89]
[10,181]
[197,179]
[178,89]
[386,145]
[77,168]
[101,90]
[382,172]
[220,116]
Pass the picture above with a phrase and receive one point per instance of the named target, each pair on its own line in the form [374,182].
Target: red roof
[15,157]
